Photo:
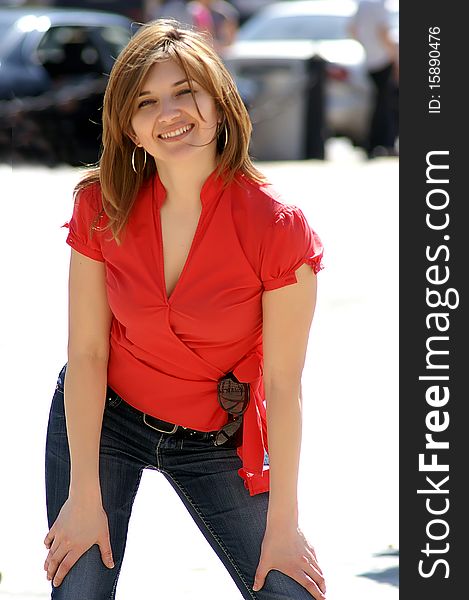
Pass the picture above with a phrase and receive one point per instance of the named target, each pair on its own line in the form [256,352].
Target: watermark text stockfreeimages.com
[440,300]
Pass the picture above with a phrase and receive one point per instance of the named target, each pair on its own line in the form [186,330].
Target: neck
[183,183]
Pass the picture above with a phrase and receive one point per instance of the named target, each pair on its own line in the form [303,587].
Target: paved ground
[349,473]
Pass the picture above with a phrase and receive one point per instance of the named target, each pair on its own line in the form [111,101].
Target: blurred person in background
[192,289]
[371,27]
[217,17]
[202,18]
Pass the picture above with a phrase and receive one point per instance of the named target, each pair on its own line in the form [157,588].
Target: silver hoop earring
[226,135]
[133,159]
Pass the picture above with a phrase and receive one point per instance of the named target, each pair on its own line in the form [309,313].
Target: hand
[289,552]
[78,526]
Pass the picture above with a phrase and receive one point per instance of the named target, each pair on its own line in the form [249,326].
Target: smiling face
[168,123]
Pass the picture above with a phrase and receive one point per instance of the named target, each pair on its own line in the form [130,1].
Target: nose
[168,111]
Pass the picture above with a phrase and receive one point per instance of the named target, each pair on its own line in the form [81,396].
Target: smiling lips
[176,133]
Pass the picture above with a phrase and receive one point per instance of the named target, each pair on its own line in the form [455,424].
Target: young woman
[191,293]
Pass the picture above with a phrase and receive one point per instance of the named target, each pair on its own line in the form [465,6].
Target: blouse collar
[210,191]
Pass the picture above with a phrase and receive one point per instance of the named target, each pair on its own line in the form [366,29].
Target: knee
[279,586]
[88,579]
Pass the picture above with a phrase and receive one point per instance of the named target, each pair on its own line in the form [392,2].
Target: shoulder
[262,204]
[88,197]
[88,210]
[275,236]
[87,220]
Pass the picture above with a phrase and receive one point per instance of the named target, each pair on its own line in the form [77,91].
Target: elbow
[282,383]
[93,346]
[88,355]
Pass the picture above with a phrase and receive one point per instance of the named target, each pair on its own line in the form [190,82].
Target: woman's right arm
[82,521]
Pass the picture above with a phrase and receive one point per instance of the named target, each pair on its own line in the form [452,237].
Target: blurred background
[320,79]
[301,68]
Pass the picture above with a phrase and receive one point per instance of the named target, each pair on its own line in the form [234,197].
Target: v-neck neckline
[169,297]
[210,191]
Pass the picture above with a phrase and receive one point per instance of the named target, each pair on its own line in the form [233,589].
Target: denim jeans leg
[89,578]
[232,521]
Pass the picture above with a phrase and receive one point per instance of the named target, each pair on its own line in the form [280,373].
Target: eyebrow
[145,93]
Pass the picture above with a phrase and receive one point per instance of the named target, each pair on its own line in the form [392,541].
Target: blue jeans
[205,478]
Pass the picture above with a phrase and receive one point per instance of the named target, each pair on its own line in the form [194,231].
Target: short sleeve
[80,237]
[288,243]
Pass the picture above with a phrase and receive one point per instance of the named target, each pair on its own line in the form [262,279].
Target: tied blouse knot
[167,354]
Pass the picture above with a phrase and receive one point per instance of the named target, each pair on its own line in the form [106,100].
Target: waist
[113,399]
[189,399]
[165,427]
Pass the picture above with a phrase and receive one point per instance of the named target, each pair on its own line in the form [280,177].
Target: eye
[184,92]
[144,103]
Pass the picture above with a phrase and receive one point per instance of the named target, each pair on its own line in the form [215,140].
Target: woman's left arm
[287,317]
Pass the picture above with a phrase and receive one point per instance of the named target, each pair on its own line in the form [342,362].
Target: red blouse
[167,354]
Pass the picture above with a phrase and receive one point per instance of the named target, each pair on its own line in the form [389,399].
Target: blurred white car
[282,29]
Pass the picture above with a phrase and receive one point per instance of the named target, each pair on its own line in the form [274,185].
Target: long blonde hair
[156,41]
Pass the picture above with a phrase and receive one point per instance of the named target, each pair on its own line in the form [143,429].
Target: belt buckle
[174,429]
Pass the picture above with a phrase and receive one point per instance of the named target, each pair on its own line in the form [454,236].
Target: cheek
[210,115]
[207,108]
[141,124]
[134,125]
[132,132]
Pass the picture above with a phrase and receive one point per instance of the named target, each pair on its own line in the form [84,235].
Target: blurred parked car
[53,72]
[133,9]
[280,28]
[248,8]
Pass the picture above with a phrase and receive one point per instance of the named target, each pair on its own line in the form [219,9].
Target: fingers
[312,559]
[259,581]
[312,566]
[310,584]
[52,550]
[79,525]
[64,565]
[314,572]
[61,559]
[308,545]
[311,580]
[106,553]
[58,563]
[310,575]
[49,538]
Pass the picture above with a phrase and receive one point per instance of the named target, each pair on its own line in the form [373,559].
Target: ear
[132,135]
[220,115]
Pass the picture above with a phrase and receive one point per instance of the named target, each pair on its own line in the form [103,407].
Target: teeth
[176,132]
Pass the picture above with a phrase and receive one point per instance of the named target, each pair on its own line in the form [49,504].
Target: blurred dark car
[53,71]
